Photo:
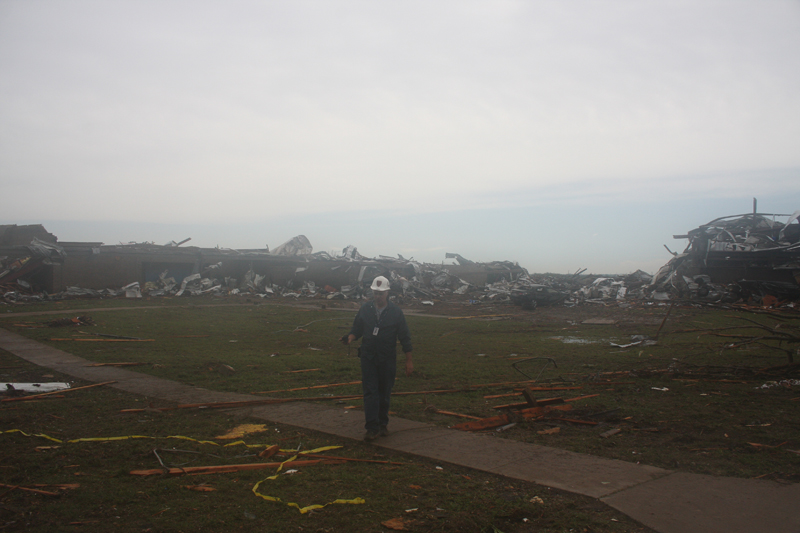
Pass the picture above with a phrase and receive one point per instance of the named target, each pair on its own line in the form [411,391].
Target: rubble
[752,259]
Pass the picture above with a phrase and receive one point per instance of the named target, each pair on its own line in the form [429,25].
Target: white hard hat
[380,284]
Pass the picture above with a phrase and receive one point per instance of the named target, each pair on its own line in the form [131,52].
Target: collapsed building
[34,265]
[749,257]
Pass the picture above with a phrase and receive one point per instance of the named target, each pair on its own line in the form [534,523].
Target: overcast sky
[561,135]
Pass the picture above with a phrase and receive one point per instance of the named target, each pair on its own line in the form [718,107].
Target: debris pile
[752,259]
[19,270]
[746,257]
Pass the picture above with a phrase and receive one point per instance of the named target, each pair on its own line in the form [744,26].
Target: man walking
[381,324]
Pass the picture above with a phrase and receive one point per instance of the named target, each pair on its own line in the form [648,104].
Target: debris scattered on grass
[40,491]
[46,394]
[395,523]
[200,488]
[783,383]
[33,387]
[610,432]
[551,431]
[242,430]
[77,321]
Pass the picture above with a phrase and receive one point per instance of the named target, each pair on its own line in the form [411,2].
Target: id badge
[375,332]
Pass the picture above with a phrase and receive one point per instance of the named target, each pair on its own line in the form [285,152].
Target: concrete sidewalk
[667,501]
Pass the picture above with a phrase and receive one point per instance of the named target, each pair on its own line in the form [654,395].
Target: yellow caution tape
[303,510]
[42,435]
[179,437]
[131,437]
[317,450]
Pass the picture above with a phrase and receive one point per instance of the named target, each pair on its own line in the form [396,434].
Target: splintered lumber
[581,398]
[441,412]
[485,385]
[37,396]
[574,421]
[501,420]
[475,316]
[537,389]
[309,388]
[346,459]
[536,412]
[60,485]
[484,423]
[105,340]
[269,401]
[611,383]
[494,396]
[26,489]
[225,469]
[243,403]
[543,401]
[412,393]
[116,364]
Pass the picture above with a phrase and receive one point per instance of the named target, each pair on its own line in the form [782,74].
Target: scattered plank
[537,389]
[581,398]
[484,423]
[442,412]
[757,445]
[475,316]
[116,364]
[537,412]
[551,431]
[611,383]
[502,420]
[103,340]
[574,421]
[309,388]
[317,456]
[542,402]
[26,489]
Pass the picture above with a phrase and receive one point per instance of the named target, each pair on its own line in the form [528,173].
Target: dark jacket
[391,328]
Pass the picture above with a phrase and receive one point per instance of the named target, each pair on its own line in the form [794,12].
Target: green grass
[705,423]
[446,498]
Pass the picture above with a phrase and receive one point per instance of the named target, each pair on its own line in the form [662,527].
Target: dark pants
[377,380]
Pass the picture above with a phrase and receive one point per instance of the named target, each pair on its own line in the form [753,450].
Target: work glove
[344,339]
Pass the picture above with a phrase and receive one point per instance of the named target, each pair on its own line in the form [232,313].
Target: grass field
[684,404]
